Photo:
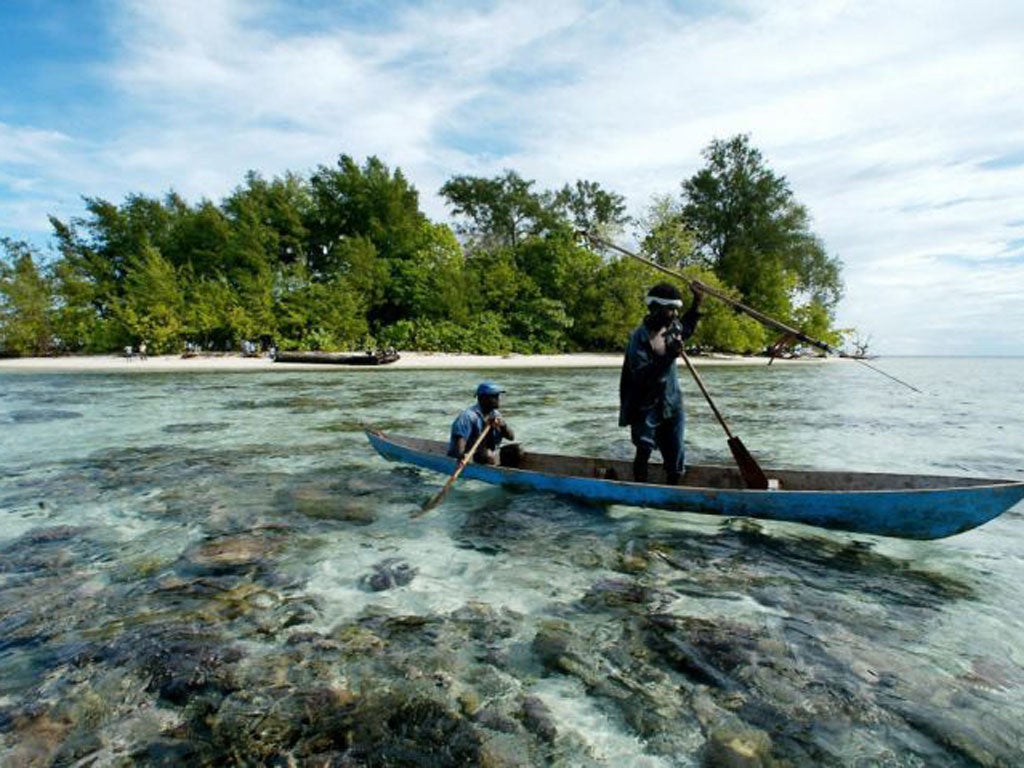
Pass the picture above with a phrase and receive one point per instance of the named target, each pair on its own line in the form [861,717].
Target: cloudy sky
[900,125]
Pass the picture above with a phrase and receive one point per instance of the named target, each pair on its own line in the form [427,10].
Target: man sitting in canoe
[650,401]
[470,423]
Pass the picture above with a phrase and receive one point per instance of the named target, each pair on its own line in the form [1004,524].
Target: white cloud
[30,146]
[882,117]
[38,168]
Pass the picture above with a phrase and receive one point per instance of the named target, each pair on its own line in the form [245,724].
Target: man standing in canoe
[470,423]
[650,401]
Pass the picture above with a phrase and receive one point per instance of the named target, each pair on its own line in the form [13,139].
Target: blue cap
[488,388]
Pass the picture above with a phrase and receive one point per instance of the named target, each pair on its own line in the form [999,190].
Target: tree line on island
[345,259]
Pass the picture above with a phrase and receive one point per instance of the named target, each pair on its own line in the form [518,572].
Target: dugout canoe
[901,506]
[337,358]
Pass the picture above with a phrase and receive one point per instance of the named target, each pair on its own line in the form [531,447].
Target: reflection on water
[214,568]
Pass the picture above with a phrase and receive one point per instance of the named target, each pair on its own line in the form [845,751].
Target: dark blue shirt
[650,381]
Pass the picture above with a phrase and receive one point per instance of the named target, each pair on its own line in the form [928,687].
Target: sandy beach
[407,361]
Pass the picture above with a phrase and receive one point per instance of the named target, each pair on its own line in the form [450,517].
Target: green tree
[721,327]
[589,207]
[152,309]
[499,212]
[671,242]
[523,260]
[325,261]
[92,254]
[267,234]
[610,305]
[484,336]
[199,239]
[255,295]
[211,309]
[272,216]
[494,281]
[815,320]
[312,314]
[77,324]
[431,284]
[754,234]
[505,211]
[667,238]
[380,206]
[559,281]
[25,303]
[97,251]
[370,201]
[355,259]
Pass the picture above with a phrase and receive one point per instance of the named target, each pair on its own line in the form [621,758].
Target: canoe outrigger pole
[762,318]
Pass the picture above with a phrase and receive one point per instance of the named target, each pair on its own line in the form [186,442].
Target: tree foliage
[496,213]
[152,308]
[526,262]
[753,233]
[25,298]
[344,258]
[666,237]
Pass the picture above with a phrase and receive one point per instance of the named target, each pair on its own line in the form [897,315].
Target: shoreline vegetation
[423,361]
[345,258]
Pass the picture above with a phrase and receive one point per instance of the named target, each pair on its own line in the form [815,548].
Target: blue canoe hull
[902,506]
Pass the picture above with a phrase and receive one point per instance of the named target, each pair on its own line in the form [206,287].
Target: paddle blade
[433,502]
[751,472]
[440,494]
[425,508]
[458,470]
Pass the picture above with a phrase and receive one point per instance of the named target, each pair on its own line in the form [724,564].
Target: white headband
[664,302]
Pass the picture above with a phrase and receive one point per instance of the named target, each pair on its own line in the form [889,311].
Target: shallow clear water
[187,558]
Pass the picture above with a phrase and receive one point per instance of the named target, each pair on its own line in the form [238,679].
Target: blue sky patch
[1013,159]
[50,61]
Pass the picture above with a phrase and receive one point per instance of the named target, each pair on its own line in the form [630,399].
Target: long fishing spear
[762,318]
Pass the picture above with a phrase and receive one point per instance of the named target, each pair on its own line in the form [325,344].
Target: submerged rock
[538,719]
[38,415]
[195,428]
[227,552]
[47,550]
[738,746]
[699,661]
[334,504]
[357,642]
[482,622]
[388,574]
[56,533]
[633,558]
[179,661]
[611,593]
[560,649]
[261,725]
[415,724]
[730,741]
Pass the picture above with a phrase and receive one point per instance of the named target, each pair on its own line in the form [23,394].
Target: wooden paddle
[762,318]
[751,472]
[458,471]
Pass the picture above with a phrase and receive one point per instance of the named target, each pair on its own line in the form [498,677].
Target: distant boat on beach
[383,357]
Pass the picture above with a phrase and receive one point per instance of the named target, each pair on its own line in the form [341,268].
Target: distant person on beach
[470,423]
[142,351]
[650,401]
